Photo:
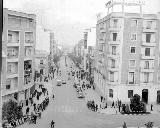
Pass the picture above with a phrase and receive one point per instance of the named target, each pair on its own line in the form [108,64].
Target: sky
[67,18]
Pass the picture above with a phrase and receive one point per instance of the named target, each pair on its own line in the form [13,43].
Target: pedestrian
[151,107]
[35,119]
[52,124]
[26,102]
[96,107]
[34,105]
[106,105]
[27,110]
[119,107]
[112,104]
[53,96]
[101,98]
[120,103]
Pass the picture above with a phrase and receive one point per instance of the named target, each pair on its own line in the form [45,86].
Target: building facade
[127,52]
[18,47]
[41,62]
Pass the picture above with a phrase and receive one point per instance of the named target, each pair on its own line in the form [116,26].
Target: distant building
[127,52]
[18,48]
[41,62]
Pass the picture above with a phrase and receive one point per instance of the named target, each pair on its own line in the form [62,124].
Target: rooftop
[18,13]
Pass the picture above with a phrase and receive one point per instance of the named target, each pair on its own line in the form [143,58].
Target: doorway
[41,71]
[145,95]
[158,97]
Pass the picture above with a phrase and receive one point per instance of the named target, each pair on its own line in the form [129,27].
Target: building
[41,62]
[127,52]
[90,62]
[52,52]
[18,47]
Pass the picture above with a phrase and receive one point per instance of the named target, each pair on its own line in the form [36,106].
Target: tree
[136,105]
[10,110]
[149,124]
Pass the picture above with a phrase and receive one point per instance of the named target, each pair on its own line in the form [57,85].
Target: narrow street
[68,111]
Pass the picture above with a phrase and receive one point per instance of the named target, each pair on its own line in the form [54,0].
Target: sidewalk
[48,85]
[90,94]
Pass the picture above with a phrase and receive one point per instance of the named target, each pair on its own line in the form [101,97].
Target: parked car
[63,81]
[80,94]
[59,82]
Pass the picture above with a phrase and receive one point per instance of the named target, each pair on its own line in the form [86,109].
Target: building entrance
[145,95]
[158,97]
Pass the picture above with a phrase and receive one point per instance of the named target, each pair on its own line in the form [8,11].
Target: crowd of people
[31,108]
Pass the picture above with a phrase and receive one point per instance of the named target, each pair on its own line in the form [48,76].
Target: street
[68,111]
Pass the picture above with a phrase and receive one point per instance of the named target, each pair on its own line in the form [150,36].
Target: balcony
[144,69]
[151,57]
[9,91]
[12,58]
[13,38]
[12,75]
[29,43]
[27,58]
[102,30]
[113,82]
[101,52]
[143,83]
[113,68]
[13,43]
[115,28]
[114,42]
[41,66]
[27,76]
[115,56]
[102,42]
[152,44]
[100,62]
[29,39]
[12,70]
[152,29]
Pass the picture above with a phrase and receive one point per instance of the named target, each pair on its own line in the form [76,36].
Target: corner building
[127,52]
[18,48]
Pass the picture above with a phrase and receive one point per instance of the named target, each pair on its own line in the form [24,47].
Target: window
[149,24]
[8,84]
[9,38]
[147,51]
[112,63]
[133,49]
[41,61]
[9,67]
[115,22]
[146,65]
[130,93]
[159,76]
[148,38]
[131,77]
[132,63]
[111,93]
[146,77]
[111,76]
[133,37]
[113,50]
[114,36]
[134,23]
